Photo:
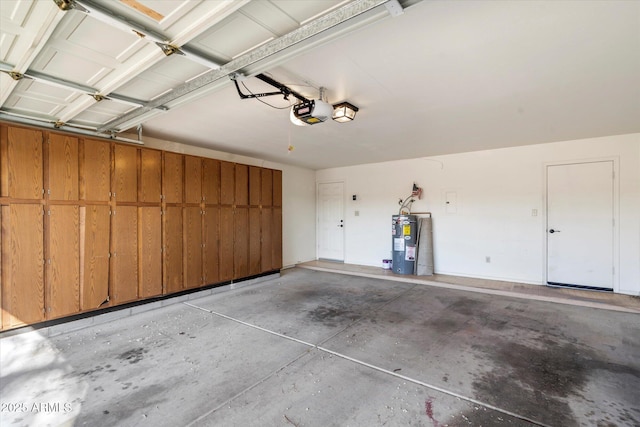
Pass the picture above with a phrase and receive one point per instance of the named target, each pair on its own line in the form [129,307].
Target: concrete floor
[314,348]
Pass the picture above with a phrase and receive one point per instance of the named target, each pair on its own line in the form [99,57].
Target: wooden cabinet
[240,243]
[255,186]
[192,247]
[22,264]
[211,181]
[227,183]
[150,251]
[277,188]
[242,185]
[226,243]
[172,238]
[210,253]
[255,243]
[266,246]
[22,169]
[63,263]
[124,254]
[88,223]
[150,176]
[95,230]
[63,168]
[192,179]
[276,233]
[267,187]
[172,179]
[125,174]
[95,170]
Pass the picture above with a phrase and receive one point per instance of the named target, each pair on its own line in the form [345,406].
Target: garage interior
[195,200]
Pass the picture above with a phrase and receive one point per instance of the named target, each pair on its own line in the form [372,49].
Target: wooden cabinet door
[210,255]
[242,185]
[276,233]
[24,163]
[192,247]
[255,186]
[255,245]
[150,236]
[267,187]
[63,265]
[63,167]
[150,175]
[211,181]
[126,173]
[172,180]
[172,260]
[277,188]
[241,243]
[95,170]
[227,183]
[95,229]
[124,254]
[22,265]
[226,243]
[266,255]
[192,179]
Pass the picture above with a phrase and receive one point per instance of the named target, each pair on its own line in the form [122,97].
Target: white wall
[298,198]
[497,191]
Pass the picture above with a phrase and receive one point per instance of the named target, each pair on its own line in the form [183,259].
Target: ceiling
[429,77]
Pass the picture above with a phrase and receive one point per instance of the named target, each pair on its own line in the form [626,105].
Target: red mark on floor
[428,407]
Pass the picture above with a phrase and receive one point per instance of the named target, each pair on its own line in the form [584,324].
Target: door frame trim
[616,213]
[344,240]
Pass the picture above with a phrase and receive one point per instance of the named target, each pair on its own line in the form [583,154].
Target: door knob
[554,231]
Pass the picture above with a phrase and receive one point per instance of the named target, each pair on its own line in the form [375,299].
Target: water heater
[404,230]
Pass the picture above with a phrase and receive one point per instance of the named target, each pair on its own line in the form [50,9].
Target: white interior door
[580,224]
[331,221]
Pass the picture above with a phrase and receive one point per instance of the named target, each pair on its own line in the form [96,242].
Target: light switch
[450,202]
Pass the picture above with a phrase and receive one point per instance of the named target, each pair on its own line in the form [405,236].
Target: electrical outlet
[534,212]
[356,213]
[487,259]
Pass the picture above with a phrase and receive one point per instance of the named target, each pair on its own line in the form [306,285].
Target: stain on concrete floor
[558,365]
